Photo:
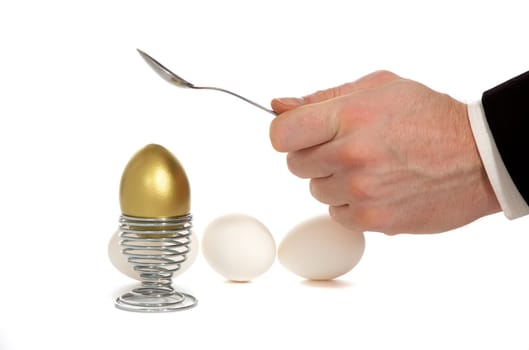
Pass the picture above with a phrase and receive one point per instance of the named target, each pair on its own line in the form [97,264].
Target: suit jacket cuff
[510,199]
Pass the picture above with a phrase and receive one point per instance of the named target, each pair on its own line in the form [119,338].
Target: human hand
[386,154]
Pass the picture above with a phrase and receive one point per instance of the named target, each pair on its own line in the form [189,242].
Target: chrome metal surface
[167,75]
[155,247]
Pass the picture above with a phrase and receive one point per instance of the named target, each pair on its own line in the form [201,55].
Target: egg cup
[155,247]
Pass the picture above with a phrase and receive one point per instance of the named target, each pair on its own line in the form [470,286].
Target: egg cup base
[143,300]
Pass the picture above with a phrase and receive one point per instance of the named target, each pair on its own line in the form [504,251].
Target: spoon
[174,79]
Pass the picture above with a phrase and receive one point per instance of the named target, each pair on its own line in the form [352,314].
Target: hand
[386,154]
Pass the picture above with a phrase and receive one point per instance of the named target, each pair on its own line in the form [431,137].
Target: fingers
[340,213]
[315,120]
[328,191]
[378,78]
[363,218]
[312,162]
[304,127]
[345,188]
[344,216]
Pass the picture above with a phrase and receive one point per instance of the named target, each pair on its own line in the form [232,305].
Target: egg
[121,264]
[154,185]
[321,249]
[238,247]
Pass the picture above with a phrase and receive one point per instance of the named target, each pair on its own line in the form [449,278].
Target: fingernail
[290,101]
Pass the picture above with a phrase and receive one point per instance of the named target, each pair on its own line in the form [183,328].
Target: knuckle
[358,190]
[358,152]
[371,218]
[378,219]
[384,75]
[316,190]
[319,96]
[347,153]
[334,214]
[294,164]
[365,217]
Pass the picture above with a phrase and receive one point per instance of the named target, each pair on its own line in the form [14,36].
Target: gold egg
[154,185]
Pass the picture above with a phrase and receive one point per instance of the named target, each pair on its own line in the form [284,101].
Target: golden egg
[154,185]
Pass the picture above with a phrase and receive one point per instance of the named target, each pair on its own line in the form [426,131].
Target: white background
[77,101]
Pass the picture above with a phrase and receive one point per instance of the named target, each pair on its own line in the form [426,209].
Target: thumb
[280,105]
[376,79]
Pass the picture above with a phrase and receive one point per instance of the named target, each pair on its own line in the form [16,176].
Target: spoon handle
[236,95]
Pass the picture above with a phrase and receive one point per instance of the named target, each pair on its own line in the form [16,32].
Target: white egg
[121,264]
[321,249]
[238,247]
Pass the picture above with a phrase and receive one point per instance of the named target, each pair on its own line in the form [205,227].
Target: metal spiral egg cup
[155,248]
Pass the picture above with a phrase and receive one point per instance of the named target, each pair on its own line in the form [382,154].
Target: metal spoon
[174,79]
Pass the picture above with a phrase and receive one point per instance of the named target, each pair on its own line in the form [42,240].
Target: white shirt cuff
[510,199]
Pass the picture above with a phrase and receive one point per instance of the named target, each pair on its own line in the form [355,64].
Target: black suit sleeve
[507,111]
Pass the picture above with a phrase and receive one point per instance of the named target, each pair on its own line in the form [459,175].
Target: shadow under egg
[329,284]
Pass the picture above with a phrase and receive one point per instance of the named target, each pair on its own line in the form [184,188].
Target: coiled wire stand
[155,247]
